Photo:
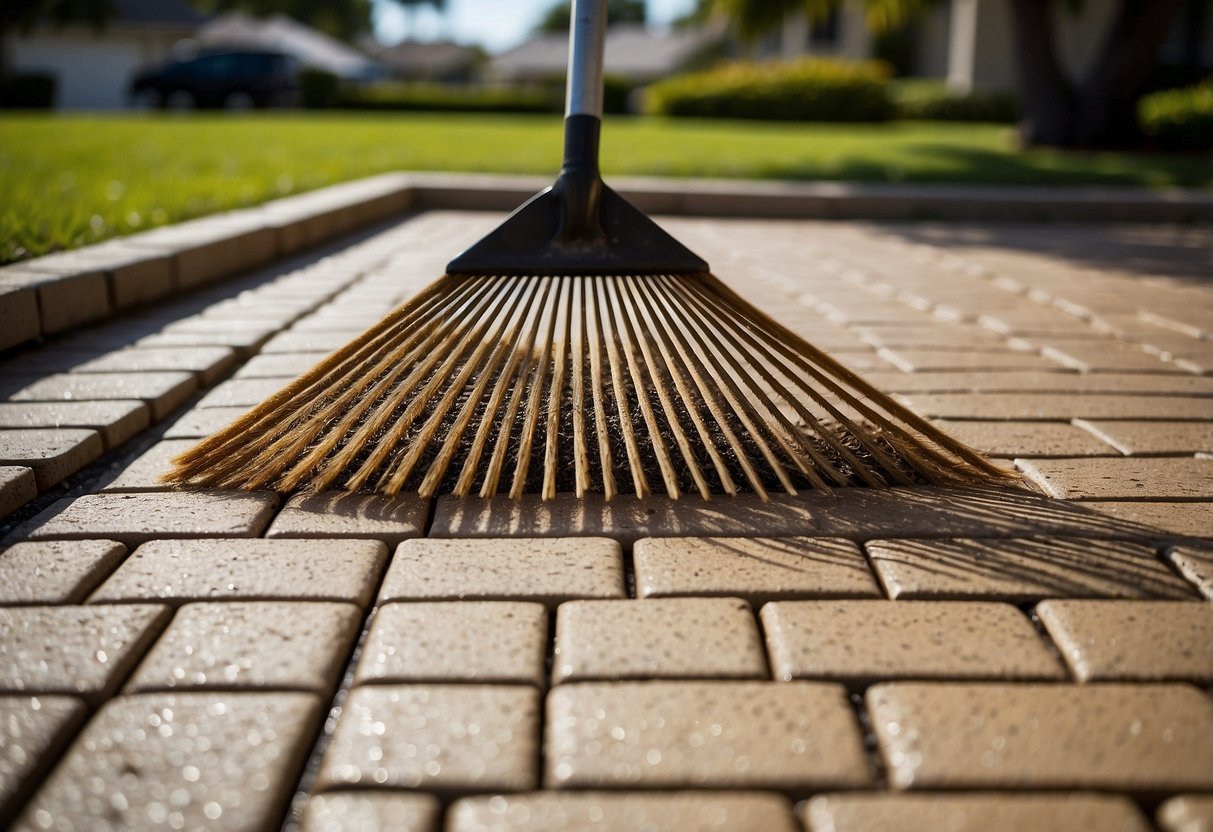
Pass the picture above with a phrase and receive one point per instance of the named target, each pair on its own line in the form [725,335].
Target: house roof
[412,56]
[280,33]
[631,51]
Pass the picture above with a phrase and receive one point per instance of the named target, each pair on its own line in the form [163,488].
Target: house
[438,61]
[93,68]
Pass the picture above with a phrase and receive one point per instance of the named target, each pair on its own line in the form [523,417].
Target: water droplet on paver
[191,774]
[102,656]
[653,757]
[212,810]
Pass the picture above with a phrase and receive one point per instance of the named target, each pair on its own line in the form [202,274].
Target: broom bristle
[617,384]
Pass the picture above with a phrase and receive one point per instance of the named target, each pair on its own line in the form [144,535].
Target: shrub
[442,98]
[810,89]
[28,91]
[319,90]
[1180,119]
[930,100]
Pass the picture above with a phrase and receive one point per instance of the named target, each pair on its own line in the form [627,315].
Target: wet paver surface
[1034,656]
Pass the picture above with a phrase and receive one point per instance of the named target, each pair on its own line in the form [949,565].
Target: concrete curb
[61,291]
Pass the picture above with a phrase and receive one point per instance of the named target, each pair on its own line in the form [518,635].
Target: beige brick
[210,363]
[1124,479]
[1028,439]
[469,641]
[667,811]
[1132,640]
[1039,384]
[1145,438]
[912,360]
[136,518]
[1135,738]
[54,454]
[1187,813]
[244,342]
[981,812]
[1052,407]
[757,569]
[666,638]
[162,392]
[340,514]
[448,739]
[198,424]
[56,572]
[65,300]
[544,570]
[18,315]
[795,737]
[185,761]
[17,487]
[862,642]
[1157,519]
[255,645]
[326,342]
[207,249]
[242,392]
[1021,569]
[371,811]
[282,365]
[144,472]
[116,421]
[1195,562]
[86,651]
[33,730]
[1108,356]
[181,571]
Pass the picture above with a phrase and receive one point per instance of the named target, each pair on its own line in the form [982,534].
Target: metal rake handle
[587,38]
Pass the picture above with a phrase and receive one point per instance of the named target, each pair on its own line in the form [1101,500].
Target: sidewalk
[1036,657]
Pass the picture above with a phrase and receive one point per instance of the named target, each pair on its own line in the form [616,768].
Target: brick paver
[196,761]
[178,572]
[861,642]
[1123,479]
[211,363]
[1146,438]
[197,424]
[161,392]
[472,641]
[32,730]
[1196,564]
[1138,738]
[439,738]
[56,572]
[338,514]
[337,811]
[1029,439]
[52,454]
[116,421]
[145,471]
[666,638]
[17,487]
[1132,640]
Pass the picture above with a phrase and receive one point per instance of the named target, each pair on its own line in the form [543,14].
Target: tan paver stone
[243,342]
[1187,813]
[145,471]
[1037,383]
[1028,439]
[180,761]
[116,421]
[280,365]
[980,812]
[1132,640]
[1196,564]
[53,454]
[198,424]
[371,812]
[18,315]
[862,642]
[17,487]
[544,570]
[56,571]
[211,363]
[136,518]
[86,651]
[242,392]
[757,569]
[65,300]
[667,811]
[665,638]
[340,514]
[326,342]
[1091,356]
[33,729]
[794,737]
[448,739]
[1123,479]
[1144,438]
[1167,519]
[257,645]
[1134,738]
[162,392]
[181,571]
[1022,569]
[468,641]
[931,360]
[1052,407]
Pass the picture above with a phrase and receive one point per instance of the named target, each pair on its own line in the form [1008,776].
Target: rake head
[612,384]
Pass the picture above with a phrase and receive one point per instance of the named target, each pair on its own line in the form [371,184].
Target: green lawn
[71,180]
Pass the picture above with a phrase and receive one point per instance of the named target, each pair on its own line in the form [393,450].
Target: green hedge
[28,91]
[442,98]
[923,99]
[319,90]
[1180,119]
[810,89]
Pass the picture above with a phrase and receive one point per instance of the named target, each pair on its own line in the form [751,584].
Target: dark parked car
[231,80]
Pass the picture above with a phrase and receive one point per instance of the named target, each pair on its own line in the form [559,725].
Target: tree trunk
[1102,111]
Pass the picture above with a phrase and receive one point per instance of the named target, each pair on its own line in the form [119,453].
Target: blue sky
[496,25]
